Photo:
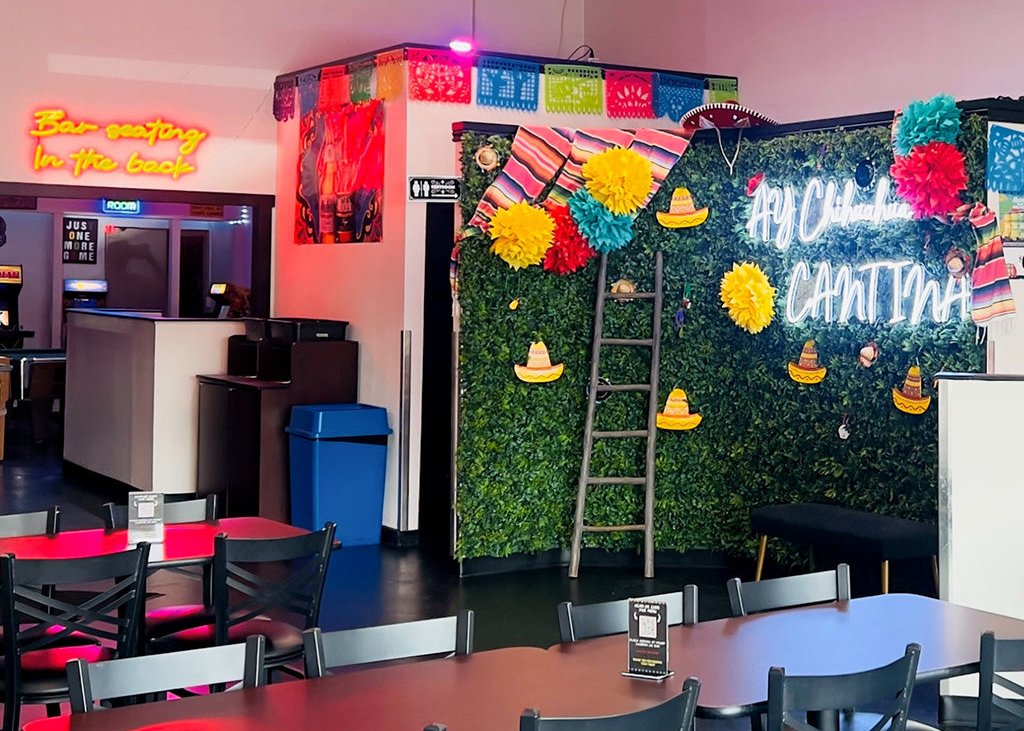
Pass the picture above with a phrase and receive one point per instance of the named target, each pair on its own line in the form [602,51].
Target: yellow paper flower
[618,178]
[522,234]
[748,296]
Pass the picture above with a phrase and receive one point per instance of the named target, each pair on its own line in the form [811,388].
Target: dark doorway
[137,269]
[436,428]
[193,274]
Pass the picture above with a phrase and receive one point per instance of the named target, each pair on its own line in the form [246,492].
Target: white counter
[132,398]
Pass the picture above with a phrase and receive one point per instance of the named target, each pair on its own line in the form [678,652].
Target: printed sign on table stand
[145,517]
[648,641]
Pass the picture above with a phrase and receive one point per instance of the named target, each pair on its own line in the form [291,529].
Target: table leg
[761,549]
[885,576]
[935,573]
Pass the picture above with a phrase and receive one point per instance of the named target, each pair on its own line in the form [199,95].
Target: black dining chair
[43,522]
[406,640]
[582,621]
[789,591]
[92,682]
[178,509]
[795,701]
[675,714]
[256,583]
[435,727]
[1000,656]
[42,632]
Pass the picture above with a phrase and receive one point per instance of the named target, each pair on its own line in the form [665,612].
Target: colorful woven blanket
[991,297]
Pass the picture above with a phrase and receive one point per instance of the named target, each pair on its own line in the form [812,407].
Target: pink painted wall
[806,59]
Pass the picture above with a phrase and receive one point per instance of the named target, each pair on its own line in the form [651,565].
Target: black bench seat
[879,537]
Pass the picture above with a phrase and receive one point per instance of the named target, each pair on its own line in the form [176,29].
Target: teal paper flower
[935,120]
[606,231]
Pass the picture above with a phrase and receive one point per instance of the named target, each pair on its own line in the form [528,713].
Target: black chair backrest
[240,594]
[44,522]
[34,618]
[1000,656]
[579,622]
[675,714]
[789,591]
[435,727]
[887,689]
[444,636]
[135,676]
[183,509]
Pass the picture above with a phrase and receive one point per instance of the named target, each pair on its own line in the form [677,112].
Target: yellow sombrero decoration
[681,211]
[807,370]
[909,399]
[538,368]
[677,412]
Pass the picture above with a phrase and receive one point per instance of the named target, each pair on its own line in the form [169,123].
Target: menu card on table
[145,517]
[648,640]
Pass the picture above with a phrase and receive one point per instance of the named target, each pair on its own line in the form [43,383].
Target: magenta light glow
[461,45]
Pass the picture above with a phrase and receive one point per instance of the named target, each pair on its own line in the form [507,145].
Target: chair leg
[885,576]
[761,549]
[12,713]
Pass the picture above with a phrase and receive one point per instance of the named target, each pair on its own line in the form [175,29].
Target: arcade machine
[81,294]
[11,334]
[221,300]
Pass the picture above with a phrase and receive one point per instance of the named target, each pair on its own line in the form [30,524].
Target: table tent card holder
[647,656]
[145,517]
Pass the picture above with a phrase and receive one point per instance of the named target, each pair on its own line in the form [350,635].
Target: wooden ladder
[650,433]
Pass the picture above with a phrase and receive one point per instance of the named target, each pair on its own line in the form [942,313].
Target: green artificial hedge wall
[764,438]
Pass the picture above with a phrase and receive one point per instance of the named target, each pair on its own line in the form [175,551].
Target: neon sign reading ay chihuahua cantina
[774,214]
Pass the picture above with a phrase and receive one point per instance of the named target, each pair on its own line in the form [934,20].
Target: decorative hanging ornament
[931,178]
[921,122]
[676,415]
[909,399]
[864,175]
[514,304]
[958,262]
[624,286]
[748,296]
[868,354]
[724,115]
[681,211]
[569,250]
[754,183]
[844,428]
[679,319]
[806,369]
[604,230]
[538,368]
[620,179]
[486,158]
[521,234]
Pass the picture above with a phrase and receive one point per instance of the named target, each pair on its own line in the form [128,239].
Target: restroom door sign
[81,236]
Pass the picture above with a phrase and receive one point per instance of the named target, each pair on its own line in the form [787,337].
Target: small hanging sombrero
[677,412]
[807,370]
[681,211]
[723,115]
[538,368]
[909,399]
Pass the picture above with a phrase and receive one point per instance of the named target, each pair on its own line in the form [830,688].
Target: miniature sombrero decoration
[807,370]
[538,368]
[681,211]
[677,414]
[909,399]
[723,115]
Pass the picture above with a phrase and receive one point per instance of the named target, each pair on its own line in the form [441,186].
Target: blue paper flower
[935,120]
[606,231]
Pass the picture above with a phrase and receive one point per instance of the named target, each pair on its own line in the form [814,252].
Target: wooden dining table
[489,690]
[184,543]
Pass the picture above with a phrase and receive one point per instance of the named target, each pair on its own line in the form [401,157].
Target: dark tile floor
[378,585]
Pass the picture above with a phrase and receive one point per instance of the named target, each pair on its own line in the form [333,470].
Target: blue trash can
[338,458]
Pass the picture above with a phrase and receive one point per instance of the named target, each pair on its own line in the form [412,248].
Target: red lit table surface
[185,543]
[488,690]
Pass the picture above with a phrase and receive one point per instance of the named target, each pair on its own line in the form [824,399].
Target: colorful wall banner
[507,83]
[390,74]
[360,80]
[586,143]
[439,76]
[340,175]
[675,95]
[309,91]
[1005,169]
[284,99]
[629,94]
[573,89]
[723,90]
[334,92]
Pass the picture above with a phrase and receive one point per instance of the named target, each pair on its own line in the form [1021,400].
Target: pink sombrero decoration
[724,115]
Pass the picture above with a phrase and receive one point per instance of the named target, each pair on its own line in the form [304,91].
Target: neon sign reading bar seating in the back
[775,216]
